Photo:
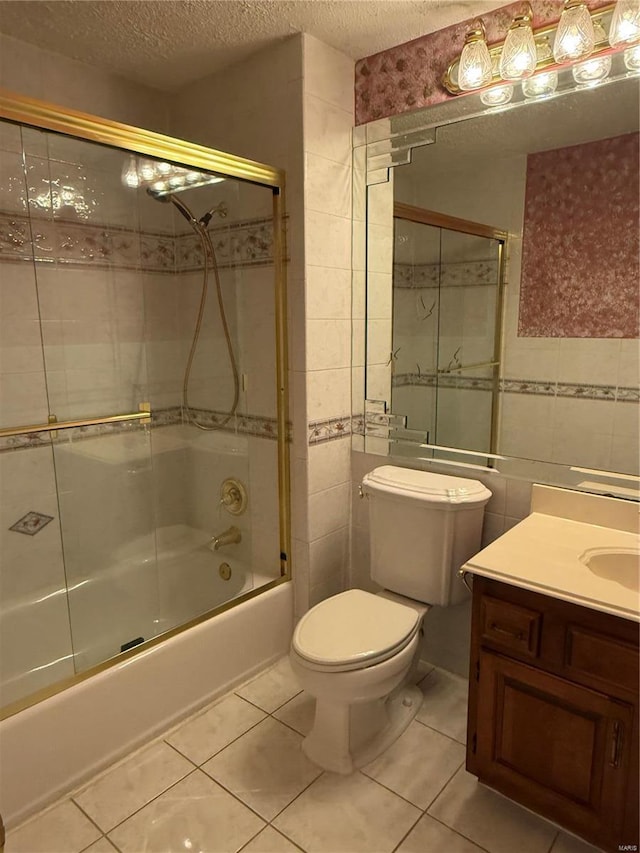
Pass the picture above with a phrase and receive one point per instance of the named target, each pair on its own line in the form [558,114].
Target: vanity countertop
[542,553]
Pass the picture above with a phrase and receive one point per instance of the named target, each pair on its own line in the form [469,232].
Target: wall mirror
[542,383]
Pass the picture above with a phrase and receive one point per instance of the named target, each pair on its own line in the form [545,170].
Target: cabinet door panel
[556,747]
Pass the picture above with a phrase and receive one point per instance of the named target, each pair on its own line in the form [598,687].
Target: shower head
[221,209]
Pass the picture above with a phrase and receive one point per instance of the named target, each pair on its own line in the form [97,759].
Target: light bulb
[497,96]
[474,69]
[540,86]
[130,177]
[164,168]
[592,72]
[575,37]
[632,58]
[147,170]
[519,55]
[625,23]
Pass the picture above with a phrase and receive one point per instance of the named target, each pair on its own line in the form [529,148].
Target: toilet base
[346,737]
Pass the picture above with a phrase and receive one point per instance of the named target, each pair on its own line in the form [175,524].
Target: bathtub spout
[232,536]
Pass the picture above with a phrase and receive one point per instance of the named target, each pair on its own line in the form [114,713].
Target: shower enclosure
[143,447]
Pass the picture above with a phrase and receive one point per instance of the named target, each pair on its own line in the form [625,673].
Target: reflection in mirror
[447,287]
[561,178]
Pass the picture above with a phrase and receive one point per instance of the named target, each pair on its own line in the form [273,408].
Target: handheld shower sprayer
[221,209]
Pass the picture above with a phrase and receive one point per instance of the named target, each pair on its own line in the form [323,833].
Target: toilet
[357,652]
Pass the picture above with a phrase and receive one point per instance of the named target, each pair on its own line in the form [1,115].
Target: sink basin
[621,565]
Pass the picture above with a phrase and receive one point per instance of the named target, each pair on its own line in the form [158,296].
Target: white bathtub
[55,745]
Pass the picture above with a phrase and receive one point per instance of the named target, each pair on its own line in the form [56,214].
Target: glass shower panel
[469,276]
[32,581]
[416,310]
[122,296]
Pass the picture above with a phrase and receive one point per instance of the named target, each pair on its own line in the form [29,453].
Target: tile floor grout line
[462,764]
[250,840]
[391,791]
[553,843]
[444,734]
[235,796]
[89,818]
[148,803]
[222,748]
[264,711]
[410,830]
[457,832]
[299,794]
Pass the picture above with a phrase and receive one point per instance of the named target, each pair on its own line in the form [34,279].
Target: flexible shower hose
[207,252]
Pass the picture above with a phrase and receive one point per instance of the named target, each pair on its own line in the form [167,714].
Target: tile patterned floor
[233,778]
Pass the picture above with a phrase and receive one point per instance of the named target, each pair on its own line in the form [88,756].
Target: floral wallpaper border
[241,244]
[408,76]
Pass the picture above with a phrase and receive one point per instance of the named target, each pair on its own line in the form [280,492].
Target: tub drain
[224,571]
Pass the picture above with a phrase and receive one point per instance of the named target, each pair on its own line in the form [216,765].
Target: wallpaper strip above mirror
[409,76]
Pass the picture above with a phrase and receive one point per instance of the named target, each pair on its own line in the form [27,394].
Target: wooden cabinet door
[556,747]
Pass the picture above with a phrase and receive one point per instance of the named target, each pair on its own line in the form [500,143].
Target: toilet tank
[422,528]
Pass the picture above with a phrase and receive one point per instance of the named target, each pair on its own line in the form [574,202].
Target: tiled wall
[292,106]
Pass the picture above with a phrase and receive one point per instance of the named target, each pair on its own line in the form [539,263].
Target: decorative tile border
[255,425]
[330,429]
[409,76]
[467,274]
[446,380]
[240,244]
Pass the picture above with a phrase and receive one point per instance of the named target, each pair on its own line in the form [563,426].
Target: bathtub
[154,584]
[55,745]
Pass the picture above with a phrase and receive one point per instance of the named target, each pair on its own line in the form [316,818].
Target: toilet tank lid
[425,485]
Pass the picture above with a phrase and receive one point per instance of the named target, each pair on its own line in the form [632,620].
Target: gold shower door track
[144,415]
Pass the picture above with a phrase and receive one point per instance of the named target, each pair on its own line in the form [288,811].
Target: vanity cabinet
[553,710]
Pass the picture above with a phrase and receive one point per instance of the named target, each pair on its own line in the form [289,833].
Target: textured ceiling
[168,43]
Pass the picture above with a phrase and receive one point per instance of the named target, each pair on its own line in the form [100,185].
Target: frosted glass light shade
[540,86]
[497,96]
[474,69]
[632,58]
[625,23]
[575,37]
[519,56]
[593,71]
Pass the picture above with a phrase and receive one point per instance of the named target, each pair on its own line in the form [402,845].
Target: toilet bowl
[354,653]
[357,652]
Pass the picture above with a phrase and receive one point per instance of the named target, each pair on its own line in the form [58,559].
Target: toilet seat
[353,630]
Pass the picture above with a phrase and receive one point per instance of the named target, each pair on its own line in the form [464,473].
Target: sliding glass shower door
[140,451]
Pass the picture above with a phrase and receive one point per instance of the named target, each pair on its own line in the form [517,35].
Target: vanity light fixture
[163,178]
[625,23]
[475,63]
[519,55]
[541,85]
[593,71]
[575,37]
[632,58]
[497,96]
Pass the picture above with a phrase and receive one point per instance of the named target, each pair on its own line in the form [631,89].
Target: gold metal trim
[59,686]
[602,47]
[468,366]
[46,116]
[284,479]
[49,117]
[53,424]
[443,220]
[479,229]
